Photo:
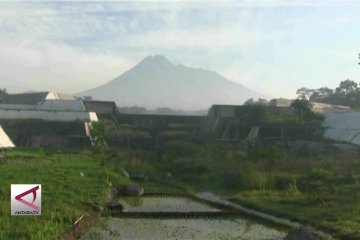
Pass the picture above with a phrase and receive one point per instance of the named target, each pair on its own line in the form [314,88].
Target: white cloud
[75,46]
[29,65]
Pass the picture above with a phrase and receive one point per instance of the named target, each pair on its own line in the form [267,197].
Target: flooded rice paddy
[165,204]
[169,229]
[185,227]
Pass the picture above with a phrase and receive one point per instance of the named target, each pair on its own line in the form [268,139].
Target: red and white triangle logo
[33,191]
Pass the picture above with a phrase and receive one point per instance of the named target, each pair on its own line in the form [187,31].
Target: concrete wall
[101,107]
[49,134]
[47,115]
[49,105]
[225,111]
[63,105]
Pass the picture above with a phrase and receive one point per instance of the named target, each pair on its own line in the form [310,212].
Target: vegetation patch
[73,184]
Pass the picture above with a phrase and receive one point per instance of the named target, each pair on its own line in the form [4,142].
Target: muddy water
[125,228]
[169,229]
[164,204]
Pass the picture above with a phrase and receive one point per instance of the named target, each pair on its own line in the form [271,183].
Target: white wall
[48,115]
[5,141]
[49,105]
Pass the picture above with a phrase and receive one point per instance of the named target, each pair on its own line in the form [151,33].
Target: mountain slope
[156,82]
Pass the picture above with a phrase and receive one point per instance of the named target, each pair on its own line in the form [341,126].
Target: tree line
[3,92]
[346,94]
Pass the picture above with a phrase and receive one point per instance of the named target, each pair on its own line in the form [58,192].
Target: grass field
[66,195]
[339,215]
[323,191]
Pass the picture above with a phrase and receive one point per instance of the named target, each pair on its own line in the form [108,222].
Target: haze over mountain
[156,82]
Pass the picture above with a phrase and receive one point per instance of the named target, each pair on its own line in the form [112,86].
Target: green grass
[338,214]
[225,170]
[65,194]
[323,191]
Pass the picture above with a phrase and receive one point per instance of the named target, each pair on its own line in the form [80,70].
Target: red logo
[33,191]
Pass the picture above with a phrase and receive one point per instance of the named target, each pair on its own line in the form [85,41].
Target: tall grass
[66,195]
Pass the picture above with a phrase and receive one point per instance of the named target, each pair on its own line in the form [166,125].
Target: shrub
[320,174]
[179,149]
[284,182]
[175,134]
[269,152]
[97,132]
[253,180]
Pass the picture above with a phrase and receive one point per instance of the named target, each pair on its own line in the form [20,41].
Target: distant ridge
[156,82]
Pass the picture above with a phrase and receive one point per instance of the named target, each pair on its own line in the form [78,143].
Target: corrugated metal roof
[343,127]
[5,141]
[24,98]
[34,98]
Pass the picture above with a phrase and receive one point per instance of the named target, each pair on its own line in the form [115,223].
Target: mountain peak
[158,60]
[156,82]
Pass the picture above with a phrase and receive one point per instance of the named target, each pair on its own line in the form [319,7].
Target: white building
[5,141]
[48,106]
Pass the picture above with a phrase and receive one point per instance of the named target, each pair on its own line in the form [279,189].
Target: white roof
[59,96]
[328,108]
[5,141]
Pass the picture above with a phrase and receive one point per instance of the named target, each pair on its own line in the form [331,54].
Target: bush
[254,180]
[192,169]
[128,132]
[284,182]
[179,149]
[175,134]
[97,132]
[320,174]
[269,152]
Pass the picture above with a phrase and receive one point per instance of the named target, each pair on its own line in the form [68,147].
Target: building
[343,127]
[34,98]
[46,119]
[280,102]
[235,122]
[103,109]
[47,106]
[325,108]
[5,143]
[322,108]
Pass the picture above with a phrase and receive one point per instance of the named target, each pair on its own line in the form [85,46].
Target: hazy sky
[273,47]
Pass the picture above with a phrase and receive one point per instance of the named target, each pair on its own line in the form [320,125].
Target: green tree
[347,87]
[304,93]
[97,133]
[303,109]
[321,94]
[3,92]
[260,101]
[347,94]
[250,101]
